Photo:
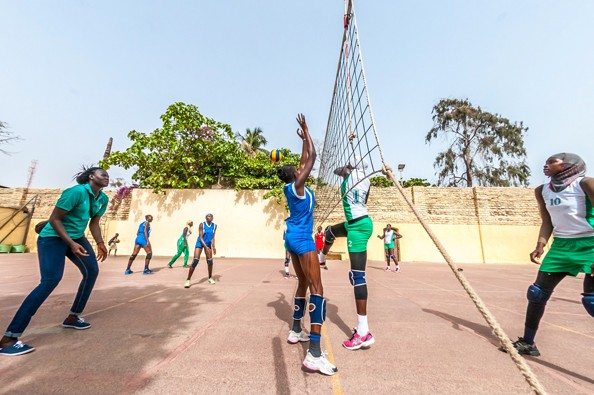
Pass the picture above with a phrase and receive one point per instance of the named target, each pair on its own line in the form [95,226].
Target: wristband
[542,240]
[100,242]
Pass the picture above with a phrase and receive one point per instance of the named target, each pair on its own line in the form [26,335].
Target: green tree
[384,182]
[184,153]
[484,149]
[253,141]
[415,182]
[6,137]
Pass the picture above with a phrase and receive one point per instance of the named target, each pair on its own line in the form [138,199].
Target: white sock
[286,270]
[322,257]
[362,327]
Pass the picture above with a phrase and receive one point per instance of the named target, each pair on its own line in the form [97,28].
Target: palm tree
[252,141]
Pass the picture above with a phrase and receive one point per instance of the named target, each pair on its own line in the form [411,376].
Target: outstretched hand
[303,130]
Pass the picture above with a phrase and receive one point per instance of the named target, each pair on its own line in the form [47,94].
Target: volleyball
[276,155]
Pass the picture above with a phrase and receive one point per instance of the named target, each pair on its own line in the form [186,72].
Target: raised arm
[546,227]
[308,155]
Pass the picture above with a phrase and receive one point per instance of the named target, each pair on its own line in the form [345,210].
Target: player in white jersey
[389,236]
[357,229]
[566,210]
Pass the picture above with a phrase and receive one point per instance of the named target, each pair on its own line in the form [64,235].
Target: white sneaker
[211,281]
[296,337]
[187,284]
[320,364]
[388,269]
[397,269]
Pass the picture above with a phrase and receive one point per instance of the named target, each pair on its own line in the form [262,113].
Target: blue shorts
[300,243]
[199,244]
[141,241]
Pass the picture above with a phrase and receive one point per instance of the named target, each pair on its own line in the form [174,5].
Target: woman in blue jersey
[357,229]
[565,205]
[206,241]
[64,237]
[301,246]
[142,241]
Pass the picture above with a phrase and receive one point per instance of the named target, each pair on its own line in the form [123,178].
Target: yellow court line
[336,387]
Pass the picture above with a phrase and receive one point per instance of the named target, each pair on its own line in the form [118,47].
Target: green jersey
[354,191]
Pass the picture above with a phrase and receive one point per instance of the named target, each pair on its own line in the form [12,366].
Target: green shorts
[569,255]
[358,234]
[389,246]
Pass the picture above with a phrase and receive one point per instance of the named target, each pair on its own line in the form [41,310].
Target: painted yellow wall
[247,225]
[250,226]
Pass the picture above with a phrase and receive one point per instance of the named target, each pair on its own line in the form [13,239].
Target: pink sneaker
[358,341]
[388,269]
[397,269]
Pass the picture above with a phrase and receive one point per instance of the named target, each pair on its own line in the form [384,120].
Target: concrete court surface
[152,336]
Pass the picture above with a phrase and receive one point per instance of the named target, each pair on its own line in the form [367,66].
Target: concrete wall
[491,225]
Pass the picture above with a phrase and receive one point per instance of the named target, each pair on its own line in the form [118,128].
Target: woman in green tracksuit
[182,245]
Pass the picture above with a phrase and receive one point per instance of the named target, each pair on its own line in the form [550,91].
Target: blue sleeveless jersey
[140,239]
[207,234]
[301,209]
[141,229]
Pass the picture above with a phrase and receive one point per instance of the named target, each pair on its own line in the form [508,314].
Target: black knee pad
[195,262]
[132,257]
[209,262]
[329,236]
[149,256]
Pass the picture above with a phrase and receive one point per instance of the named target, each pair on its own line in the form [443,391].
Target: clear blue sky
[74,73]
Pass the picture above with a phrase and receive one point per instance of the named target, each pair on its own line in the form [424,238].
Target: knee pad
[149,256]
[357,278]
[209,262]
[329,236]
[588,302]
[538,295]
[393,256]
[195,262]
[317,309]
[298,308]
[387,256]
[132,257]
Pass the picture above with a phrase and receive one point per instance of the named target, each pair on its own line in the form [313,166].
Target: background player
[206,241]
[142,241]
[389,236]
[182,245]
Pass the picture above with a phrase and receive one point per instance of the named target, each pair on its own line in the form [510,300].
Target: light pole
[400,169]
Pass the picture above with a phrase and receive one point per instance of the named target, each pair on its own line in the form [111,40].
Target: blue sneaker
[128,272]
[18,348]
[148,271]
[79,324]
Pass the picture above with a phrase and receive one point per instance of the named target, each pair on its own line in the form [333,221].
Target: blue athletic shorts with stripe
[300,243]
[199,244]
[141,241]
